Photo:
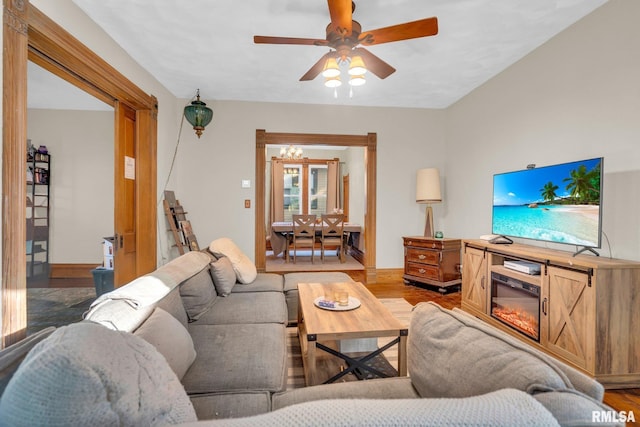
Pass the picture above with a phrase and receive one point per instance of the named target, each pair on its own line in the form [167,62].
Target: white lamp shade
[428,186]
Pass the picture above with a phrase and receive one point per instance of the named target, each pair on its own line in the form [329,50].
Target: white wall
[210,169]
[81,186]
[576,97]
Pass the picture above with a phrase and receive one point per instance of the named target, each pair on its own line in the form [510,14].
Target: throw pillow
[87,375]
[223,275]
[245,269]
[170,338]
[198,294]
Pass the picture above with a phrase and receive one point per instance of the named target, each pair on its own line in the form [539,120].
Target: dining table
[282,235]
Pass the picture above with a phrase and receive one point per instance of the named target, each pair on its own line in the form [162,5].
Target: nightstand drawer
[424,271]
[423,256]
[436,244]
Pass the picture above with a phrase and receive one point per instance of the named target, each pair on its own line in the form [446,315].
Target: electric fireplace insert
[516,303]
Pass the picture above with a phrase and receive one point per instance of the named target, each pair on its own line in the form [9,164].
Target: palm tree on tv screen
[584,185]
[549,191]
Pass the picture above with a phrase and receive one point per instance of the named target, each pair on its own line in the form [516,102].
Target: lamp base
[428,226]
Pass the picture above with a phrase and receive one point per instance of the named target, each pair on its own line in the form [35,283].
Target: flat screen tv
[560,203]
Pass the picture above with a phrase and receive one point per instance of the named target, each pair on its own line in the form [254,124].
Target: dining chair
[332,234]
[304,234]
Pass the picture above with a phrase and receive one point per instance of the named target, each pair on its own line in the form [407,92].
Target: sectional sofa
[203,338]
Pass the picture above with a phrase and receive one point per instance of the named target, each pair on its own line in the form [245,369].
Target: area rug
[399,307]
[56,306]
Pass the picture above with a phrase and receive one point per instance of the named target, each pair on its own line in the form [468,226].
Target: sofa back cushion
[451,357]
[87,375]
[198,294]
[173,305]
[170,338]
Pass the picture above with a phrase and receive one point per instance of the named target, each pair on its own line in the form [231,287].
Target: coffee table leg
[402,353]
[311,360]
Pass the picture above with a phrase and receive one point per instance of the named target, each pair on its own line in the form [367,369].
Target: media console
[581,309]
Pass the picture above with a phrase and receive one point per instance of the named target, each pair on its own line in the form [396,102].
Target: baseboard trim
[71,271]
[385,275]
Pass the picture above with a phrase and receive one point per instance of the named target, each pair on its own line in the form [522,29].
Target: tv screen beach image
[559,203]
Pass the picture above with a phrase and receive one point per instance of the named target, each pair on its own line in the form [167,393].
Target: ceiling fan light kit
[333,82]
[344,36]
[356,66]
[357,80]
[331,68]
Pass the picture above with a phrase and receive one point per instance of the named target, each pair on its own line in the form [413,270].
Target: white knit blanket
[87,375]
[506,407]
[149,289]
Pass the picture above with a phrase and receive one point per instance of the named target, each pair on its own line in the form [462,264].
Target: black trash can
[103,280]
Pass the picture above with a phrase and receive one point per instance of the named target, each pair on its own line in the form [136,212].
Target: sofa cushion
[231,405]
[264,282]
[448,357]
[380,388]
[198,294]
[223,275]
[244,307]
[173,305]
[245,269]
[170,338]
[237,358]
[86,374]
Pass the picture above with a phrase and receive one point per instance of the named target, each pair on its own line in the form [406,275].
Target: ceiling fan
[344,35]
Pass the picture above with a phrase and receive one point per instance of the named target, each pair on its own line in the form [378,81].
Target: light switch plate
[246,183]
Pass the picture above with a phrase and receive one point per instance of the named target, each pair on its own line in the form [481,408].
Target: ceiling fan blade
[409,30]
[317,68]
[289,40]
[341,16]
[374,64]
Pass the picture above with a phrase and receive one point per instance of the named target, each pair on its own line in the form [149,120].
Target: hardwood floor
[620,400]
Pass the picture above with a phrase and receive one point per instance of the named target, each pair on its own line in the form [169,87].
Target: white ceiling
[209,45]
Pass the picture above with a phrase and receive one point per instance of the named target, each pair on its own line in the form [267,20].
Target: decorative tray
[320,302]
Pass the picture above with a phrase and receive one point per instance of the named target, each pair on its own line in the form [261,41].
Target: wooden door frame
[368,141]
[28,34]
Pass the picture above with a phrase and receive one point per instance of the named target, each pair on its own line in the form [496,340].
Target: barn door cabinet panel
[589,316]
[474,281]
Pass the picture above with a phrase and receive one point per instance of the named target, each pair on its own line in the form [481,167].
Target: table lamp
[428,191]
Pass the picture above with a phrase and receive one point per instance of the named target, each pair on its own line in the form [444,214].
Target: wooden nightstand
[433,262]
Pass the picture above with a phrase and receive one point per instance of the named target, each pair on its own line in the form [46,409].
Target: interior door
[125,195]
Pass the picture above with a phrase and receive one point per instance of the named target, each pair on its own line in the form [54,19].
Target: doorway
[28,34]
[368,141]
[77,131]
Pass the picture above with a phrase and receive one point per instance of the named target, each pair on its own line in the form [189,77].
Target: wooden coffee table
[317,326]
